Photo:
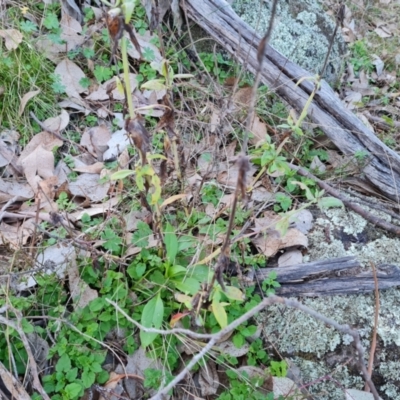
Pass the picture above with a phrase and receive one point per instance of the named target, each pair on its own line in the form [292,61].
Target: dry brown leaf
[292,257]
[302,220]
[271,242]
[48,188]
[230,177]
[259,130]
[383,32]
[215,120]
[88,186]
[208,379]
[99,94]
[38,165]
[12,38]
[95,168]
[144,41]
[70,75]
[9,189]
[96,140]
[57,124]
[25,99]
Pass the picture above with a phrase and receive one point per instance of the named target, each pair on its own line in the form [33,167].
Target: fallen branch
[348,203]
[326,111]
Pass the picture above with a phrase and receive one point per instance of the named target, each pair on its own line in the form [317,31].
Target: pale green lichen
[309,343]
[333,382]
[302,32]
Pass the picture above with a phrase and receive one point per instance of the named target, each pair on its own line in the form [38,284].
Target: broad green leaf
[154,84]
[156,182]
[329,202]
[152,317]
[171,243]
[73,390]
[234,293]
[121,174]
[63,364]
[220,313]
[238,340]
[175,270]
[189,285]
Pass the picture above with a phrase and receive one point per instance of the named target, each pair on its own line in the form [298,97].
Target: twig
[4,208]
[260,58]
[245,317]
[31,359]
[12,384]
[355,207]
[376,318]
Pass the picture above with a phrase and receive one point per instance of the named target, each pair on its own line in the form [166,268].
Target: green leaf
[176,270]
[171,243]
[71,375]
[121,174]
[152,316]
[154,84]
[88,378]
[238,340]
[140,238]
[28,27]
[329,202]
[63,364]
[73,390]
[189,285]
[234,293]
[219,310]
[96,305]
[249,330]
[51,21]
[102,73]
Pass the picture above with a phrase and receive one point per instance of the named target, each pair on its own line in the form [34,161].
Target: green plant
[211,193]
[243,388]
[269,283]
[361,57]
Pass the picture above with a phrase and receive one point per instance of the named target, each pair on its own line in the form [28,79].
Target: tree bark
[326,111]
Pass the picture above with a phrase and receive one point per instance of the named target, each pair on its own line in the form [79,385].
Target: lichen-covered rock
[302,32]
[318,350]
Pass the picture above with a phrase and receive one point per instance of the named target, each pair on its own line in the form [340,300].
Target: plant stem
[124,50]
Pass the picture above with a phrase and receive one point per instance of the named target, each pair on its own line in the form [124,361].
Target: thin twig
[376,319]
[260,58]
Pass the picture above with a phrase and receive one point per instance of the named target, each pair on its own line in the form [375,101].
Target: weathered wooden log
[326,111]
[331,277]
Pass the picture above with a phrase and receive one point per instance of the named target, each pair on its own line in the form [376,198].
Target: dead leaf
[70,75]
[25,99]
[45,139]
[292,257]
[37,165]
[57,124]
[118,142]
[96,140]
[95,168]
[208,379]
[145,41]
[9,189]
[12,38]
[258,130]
[302,221]
[88,186]
[382,32]
[271,242]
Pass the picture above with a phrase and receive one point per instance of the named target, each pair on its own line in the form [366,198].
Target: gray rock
[302,32]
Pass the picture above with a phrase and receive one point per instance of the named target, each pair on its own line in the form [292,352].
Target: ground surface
[93,209]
